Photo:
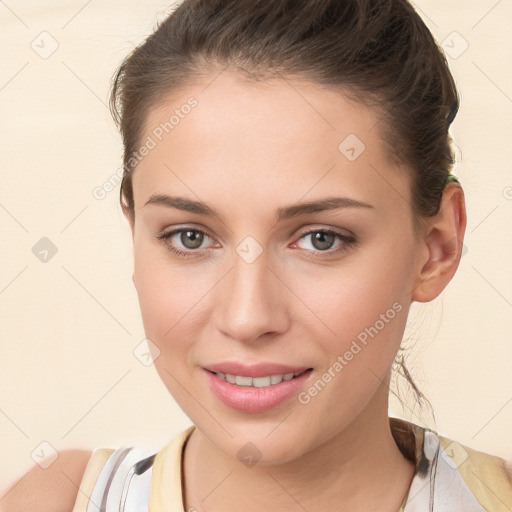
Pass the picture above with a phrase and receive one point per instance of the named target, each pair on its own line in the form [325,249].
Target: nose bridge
[251,303]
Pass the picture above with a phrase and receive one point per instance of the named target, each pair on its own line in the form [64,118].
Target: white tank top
[124,482]
[131,479]
[448,477]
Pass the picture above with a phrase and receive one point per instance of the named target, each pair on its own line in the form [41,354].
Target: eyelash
[348,241]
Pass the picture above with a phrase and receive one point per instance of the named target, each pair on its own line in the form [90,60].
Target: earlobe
[444,245]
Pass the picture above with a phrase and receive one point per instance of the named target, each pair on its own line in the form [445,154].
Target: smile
[259,393]
[257,382]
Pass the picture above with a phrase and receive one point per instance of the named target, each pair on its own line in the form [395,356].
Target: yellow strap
[488,477]
[165,492]
[96,462]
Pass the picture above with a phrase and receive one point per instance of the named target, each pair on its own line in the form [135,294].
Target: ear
[443,243]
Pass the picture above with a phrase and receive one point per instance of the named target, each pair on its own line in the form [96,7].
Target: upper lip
[254,370]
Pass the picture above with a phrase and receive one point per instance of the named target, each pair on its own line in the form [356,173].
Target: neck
[368,472]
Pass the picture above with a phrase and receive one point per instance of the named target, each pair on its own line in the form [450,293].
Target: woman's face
[265,285]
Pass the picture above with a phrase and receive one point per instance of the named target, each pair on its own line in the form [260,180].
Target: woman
[287,182]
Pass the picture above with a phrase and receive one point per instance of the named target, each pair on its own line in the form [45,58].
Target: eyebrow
[327,203]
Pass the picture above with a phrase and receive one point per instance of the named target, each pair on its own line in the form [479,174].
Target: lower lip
[252,399]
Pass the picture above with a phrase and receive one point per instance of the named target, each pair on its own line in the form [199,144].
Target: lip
[255,370]
[251,399]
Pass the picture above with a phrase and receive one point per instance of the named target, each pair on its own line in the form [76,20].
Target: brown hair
[377,52]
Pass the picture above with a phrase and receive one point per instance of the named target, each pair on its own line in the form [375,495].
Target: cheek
[356,296]
[368,329]
[169,294]
[365,308]
[170,304]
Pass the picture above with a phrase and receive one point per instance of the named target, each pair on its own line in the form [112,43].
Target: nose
[252,301]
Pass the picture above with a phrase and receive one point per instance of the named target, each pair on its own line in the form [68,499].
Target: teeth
[243,381]
[260,382]
[276,379]
[257,382]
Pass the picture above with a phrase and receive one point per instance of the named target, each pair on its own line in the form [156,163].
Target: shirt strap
[93,469]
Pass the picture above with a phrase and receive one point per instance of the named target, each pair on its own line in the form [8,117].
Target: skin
[54,489]
[246,150]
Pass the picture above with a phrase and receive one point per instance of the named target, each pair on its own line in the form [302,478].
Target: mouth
[258,382]
[259,393]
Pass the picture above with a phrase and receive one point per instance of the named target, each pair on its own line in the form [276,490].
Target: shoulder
[487,476]
[451,474]
[53,489]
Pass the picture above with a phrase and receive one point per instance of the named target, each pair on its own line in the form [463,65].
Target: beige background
[68,374]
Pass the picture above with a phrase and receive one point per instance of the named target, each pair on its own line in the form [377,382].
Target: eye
[322,240]
[189,238]
[187,242]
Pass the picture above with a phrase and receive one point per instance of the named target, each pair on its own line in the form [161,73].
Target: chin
[264,444]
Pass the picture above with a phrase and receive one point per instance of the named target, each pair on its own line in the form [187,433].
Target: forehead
[283,135]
